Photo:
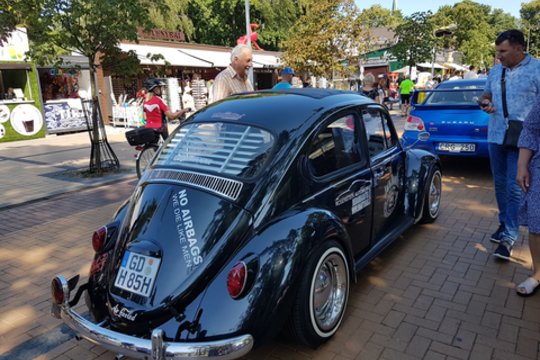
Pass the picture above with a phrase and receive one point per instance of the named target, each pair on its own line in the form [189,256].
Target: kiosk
[21,115]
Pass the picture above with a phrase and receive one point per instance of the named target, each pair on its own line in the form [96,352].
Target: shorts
[405,98]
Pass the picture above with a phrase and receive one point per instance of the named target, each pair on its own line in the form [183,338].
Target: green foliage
[223,22]
[326,39]
[530,14]
[477,26]
[377,16]
[415,39]
[172,15]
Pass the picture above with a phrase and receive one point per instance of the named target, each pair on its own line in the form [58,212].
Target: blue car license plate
[137,273]
[457,147]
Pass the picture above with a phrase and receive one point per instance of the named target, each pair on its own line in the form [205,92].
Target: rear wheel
[322,296]
[432,198]
[145,156]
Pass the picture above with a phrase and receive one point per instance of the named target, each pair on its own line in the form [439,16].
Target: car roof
[462,83]
[281,109]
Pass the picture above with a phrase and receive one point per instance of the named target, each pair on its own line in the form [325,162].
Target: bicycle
[145,154]
[147,141]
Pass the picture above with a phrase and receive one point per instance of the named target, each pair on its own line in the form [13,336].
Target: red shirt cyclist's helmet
[151,83]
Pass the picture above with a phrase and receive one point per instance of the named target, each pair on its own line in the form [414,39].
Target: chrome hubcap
[330,292]
[435,194]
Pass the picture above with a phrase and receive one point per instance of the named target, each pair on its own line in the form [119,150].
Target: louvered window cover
[222,148]
[221,186]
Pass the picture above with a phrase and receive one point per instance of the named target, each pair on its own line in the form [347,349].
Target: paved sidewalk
[43,168]
[436,293]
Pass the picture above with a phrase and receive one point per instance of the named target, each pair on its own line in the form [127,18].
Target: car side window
[334,147]
[375,131]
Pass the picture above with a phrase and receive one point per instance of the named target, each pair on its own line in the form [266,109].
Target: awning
[428,65]
[212,58]
[266,60]
[405,70]
[171,55]
[14,66]
[222,59]
[455,67]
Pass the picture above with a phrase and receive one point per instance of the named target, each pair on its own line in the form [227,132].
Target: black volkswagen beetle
[254,217]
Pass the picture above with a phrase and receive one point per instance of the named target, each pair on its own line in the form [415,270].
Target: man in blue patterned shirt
[522,77]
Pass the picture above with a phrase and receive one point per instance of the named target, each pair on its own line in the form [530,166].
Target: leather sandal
[528,287]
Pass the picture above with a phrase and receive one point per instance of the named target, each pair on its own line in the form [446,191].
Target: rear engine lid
[174,239]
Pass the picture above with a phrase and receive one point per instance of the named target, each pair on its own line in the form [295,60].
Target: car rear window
[223,148]
[455,94]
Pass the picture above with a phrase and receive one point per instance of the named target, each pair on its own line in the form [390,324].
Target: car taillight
[414,123]
[57,290]
[236,280]
[99,237]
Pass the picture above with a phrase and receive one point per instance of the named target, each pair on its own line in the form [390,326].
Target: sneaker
[504,250]
[497,235]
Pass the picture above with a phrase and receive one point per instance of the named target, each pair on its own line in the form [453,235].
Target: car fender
[96,294]
[279,253]
[417,170]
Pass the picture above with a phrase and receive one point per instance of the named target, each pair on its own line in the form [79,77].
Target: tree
[87,27]
[476,29]
[415,39]
[326,39]
[530,14]
[377,16]
[223,22]
[173,18]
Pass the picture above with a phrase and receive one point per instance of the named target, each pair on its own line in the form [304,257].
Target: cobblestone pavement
[436,293]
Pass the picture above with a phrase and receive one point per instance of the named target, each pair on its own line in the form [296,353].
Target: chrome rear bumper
[155,348]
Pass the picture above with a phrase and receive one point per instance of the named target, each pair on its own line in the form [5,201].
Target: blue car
[452,116]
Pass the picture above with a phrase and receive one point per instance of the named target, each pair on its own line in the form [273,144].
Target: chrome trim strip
[219,185]
[154,348]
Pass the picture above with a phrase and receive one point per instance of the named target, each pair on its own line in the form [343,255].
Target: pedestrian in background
[405,89]
[287,75]
[368,87]
[471,74]
[528,178]
[234,79]
[522,87]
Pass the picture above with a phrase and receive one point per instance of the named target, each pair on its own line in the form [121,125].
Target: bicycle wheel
[145,156]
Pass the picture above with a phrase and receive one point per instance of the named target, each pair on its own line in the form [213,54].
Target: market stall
[64,87]
[21,116]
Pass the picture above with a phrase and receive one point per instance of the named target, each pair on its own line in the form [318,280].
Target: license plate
[457,147]
[137,273]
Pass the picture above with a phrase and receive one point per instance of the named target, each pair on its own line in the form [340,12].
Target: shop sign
[64,72]
[62,117]
[374,62]
[16,45]
[26,119]
[159,34]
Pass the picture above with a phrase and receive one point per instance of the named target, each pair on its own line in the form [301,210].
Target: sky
[408,7]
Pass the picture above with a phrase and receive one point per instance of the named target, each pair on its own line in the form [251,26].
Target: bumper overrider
[155,348]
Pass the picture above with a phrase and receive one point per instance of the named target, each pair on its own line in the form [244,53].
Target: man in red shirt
[156,111]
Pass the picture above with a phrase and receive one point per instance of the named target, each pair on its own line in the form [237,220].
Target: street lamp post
[248,33]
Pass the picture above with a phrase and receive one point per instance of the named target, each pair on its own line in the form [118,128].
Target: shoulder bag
[513,127]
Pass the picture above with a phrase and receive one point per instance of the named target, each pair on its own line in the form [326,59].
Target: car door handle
[356,184]
[379,173]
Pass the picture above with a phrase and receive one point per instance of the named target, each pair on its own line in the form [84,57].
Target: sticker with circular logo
[2,131]
[4,113]
[26,119]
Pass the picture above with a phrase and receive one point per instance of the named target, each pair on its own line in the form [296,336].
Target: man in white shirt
[471,74]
